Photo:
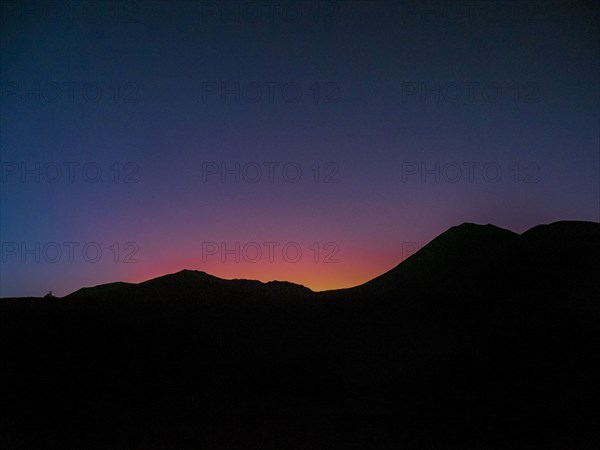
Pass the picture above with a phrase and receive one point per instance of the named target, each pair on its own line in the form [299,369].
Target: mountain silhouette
[484,338]
[191,285]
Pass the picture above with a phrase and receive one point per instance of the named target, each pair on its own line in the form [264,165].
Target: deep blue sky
[137,85]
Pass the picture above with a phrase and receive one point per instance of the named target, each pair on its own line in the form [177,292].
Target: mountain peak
[472,235]
[456,247]
[185,276]
[470,227]
[191,273]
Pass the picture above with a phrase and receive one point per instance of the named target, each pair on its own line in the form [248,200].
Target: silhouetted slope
[102,290]
[475,286]
[483,338]
[462,251]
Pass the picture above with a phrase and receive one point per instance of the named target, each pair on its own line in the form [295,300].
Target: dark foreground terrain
[484,339]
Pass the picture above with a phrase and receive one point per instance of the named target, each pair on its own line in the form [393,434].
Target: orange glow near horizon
[317,276]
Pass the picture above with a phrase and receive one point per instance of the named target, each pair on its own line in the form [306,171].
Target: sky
[316,142]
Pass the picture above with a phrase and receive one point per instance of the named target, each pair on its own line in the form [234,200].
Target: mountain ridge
[468,239]
[481,327]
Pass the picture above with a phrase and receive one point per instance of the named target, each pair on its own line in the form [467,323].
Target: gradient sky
[159,95]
